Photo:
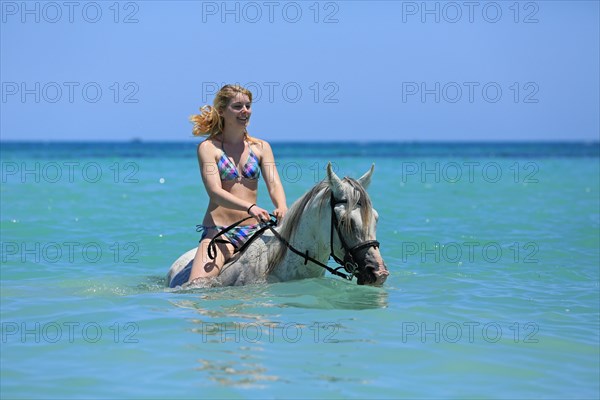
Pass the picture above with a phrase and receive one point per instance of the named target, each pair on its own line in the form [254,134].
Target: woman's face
[238,111]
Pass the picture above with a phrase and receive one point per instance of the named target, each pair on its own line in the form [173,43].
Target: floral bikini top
[229,171]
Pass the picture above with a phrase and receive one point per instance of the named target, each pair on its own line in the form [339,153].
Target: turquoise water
[494,290]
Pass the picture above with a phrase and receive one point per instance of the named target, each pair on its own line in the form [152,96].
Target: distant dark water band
[306,150]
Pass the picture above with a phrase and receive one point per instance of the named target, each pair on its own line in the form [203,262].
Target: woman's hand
[279,213]
[260,214]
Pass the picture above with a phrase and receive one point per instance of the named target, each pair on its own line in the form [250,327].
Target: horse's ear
[365,180]
[334,182]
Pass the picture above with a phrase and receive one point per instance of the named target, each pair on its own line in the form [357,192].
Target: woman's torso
[239,173]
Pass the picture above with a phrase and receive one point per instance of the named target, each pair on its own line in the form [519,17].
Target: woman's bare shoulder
[207,147]
[260,144]
[211,144]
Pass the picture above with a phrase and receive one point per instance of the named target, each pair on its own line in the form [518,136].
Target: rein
[212,252]
[348,263]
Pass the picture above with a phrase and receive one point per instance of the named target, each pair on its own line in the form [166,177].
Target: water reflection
[240,328]
[236,373]
[329,294]
[308,293]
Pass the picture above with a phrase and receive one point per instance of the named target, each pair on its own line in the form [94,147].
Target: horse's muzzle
[381,275]
[372,269]
[373,275]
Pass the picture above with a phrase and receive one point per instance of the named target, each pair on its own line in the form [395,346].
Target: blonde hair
[209,122]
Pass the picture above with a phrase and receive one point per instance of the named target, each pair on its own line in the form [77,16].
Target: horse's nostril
[377,274]
[374,274]
[377,270]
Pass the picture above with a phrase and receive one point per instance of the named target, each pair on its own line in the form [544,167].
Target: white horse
[334,218]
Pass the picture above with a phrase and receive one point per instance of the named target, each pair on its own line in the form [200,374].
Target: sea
[493,251]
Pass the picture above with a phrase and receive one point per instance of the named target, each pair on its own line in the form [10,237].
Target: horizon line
[404,141]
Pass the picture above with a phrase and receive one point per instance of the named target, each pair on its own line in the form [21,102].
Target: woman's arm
[271,177]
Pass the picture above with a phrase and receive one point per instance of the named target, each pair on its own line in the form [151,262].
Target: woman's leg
[203,266]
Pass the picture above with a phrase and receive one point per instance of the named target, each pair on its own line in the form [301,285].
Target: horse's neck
[312,235]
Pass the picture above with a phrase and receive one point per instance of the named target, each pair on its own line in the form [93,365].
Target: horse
[335,218]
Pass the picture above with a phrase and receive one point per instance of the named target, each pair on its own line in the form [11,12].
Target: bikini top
[229,171]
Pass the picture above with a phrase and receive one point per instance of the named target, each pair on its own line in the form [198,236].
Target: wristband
[248,211]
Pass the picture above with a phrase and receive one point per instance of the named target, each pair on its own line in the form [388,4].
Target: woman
[231,162]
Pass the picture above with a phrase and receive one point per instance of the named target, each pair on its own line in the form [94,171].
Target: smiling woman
[230,163]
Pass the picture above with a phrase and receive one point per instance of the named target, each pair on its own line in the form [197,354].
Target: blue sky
[345,70]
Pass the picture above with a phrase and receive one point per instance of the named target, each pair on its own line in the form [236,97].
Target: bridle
[350,253]
[349,264]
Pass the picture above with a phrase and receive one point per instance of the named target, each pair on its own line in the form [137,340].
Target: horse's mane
[354,194]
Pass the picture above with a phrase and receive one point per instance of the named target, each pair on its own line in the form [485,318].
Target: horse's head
[353,229]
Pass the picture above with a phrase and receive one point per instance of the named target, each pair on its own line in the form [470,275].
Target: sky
[319,71]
